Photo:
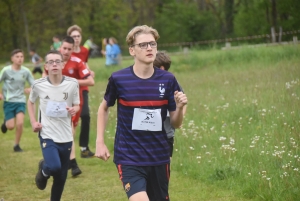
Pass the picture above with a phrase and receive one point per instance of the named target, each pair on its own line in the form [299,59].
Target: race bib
[147,120]
[56,109]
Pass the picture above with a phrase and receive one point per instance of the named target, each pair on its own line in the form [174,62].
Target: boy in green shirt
[13,78]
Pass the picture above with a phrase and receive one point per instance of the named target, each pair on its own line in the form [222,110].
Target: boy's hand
[36,126]
[180,99]
[71,110]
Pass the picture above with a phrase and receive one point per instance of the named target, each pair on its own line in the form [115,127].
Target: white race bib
[56,109]
[147,120]
[168,113]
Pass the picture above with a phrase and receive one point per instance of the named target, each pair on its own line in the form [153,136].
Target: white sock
[83,148]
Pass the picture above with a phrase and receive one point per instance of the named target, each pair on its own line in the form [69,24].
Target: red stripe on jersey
[143,103]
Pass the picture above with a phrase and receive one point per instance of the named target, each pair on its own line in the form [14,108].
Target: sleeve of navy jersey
[111,92]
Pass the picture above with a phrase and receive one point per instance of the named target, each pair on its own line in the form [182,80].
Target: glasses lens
[51,62]
[153,44]
[58,61]
[143,45]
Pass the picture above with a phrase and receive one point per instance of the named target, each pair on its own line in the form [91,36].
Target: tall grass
[241,131]
[239,140]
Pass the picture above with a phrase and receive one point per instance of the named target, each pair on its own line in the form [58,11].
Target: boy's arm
[89,81]
[102,119]
[176,117]
[36,126]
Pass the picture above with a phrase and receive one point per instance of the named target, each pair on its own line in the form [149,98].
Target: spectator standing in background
[56,43]
[115,51]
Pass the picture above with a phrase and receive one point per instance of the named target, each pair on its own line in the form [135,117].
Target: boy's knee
[10,126]
[55,169]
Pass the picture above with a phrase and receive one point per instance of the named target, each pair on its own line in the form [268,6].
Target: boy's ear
[162,67]
[131,51]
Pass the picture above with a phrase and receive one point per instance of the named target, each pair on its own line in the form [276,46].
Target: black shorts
[154,180]
[171,145]
[37,69]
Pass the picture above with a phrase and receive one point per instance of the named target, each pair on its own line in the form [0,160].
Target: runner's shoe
[40,179]
[3,128]
[17,148]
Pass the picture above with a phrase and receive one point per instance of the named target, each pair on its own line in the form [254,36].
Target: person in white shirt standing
[59,101]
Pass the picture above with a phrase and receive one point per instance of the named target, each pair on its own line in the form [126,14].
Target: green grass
[239,140]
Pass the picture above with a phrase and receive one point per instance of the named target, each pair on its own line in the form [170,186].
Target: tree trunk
[14,26]
[274,14]
[25,26]
[229,9]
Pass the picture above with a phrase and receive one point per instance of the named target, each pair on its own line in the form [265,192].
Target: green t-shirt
[56,45]
[14,83]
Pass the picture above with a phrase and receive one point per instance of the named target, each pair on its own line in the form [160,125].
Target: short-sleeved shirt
[56,45]
[141,102]
[53,100]
[14,83]
[75,68]
[84,56]
[109,60]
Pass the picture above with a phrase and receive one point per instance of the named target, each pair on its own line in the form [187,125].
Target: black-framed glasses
[76,36]
[144,45]
[51,62]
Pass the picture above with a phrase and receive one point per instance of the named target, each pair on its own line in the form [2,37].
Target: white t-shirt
[55,120]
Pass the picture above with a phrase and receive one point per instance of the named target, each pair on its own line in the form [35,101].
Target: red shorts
[76,117]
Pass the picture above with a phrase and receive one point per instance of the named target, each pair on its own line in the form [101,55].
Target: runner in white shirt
[59,100]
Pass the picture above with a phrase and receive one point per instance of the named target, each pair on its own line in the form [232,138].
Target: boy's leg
[72,162]
[9,116]
[19,127]
[158,183]
[134,181]
[10,123]
[59,179]
[48,166]
[20,113]
[85,127]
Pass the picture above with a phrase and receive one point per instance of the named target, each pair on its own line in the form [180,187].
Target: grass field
[239,141]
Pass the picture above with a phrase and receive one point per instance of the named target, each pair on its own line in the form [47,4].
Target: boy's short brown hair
[74,28]
[16,51]
[162,59]
[130,38]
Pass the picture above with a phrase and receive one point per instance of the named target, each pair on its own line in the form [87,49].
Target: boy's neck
[76,49]
[143,71]
[55,79]
[16,67]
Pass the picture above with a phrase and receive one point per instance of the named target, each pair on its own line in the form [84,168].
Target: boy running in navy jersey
[144,94]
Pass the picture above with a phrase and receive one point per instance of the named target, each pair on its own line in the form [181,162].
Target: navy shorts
[154,180]
[11,109]
[37,69]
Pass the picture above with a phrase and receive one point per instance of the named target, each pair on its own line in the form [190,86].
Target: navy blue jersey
[141,147]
